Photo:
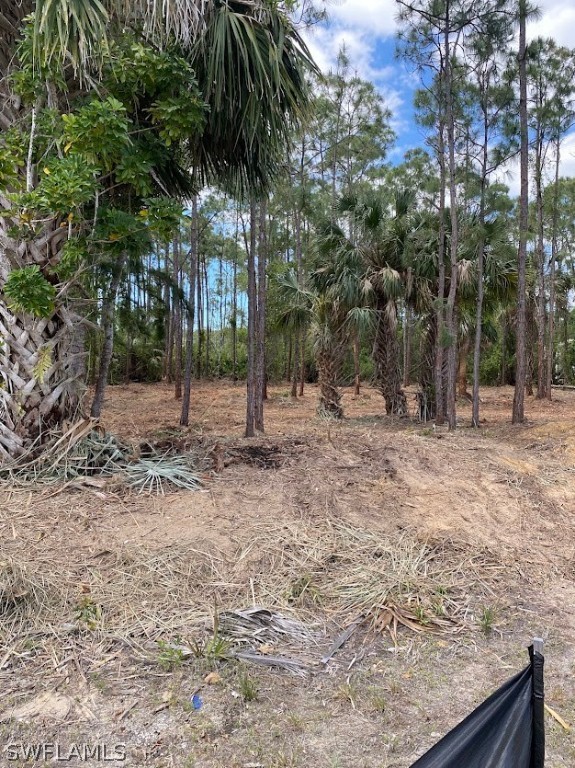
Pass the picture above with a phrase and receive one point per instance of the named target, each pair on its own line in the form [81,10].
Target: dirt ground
[445,553]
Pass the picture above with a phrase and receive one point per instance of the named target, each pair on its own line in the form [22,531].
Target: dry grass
[328,575]
[347,536]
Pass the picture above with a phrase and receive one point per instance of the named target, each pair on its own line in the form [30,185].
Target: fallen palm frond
[264,626]
[85,450]
[155,474]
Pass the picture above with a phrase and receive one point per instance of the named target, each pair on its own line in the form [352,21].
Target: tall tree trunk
[450,313]
[480,273]
[540,262]
[178,335]
[439,388]
[200,313]
[252,324]
[107,324]
[261,319]
[235,308]
[518,414]
[553,265]
[206,291]
[190,315]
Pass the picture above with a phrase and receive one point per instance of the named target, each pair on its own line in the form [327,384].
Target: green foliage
[74,253]
[88,613]
[162,216]
[249,688]
[98,132]
[28,291]
[66,184]
[12,157]
[30,78]
[487,619]
[170,657]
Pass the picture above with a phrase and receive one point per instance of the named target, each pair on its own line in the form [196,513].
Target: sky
[367,28]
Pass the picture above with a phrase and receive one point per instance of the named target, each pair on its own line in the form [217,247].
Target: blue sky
[367,28]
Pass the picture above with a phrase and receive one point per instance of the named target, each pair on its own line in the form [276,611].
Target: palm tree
[333,305]
[250,63]
[382,243]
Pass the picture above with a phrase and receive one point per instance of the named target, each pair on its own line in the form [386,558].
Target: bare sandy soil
[450,551]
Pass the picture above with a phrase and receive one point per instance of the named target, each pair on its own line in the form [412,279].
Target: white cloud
[557,21]
[373,17]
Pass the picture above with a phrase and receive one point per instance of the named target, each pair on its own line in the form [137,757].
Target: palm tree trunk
[407,346]
[42,360]
[387,359]
[426,396]
[328,364]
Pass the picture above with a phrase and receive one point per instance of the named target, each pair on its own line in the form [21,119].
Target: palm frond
[388,281]
[361,319]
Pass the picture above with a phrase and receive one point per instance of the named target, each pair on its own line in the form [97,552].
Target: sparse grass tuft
[487,619]
[249,688]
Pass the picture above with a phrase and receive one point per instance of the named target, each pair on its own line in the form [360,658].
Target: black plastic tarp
[506,731]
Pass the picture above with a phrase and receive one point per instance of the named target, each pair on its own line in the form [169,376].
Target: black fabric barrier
[506,731]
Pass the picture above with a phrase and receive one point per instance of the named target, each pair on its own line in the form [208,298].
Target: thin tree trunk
[107,324]
[207,369]
[287,348]
[518,414]
[450,314]
[554,235]
[480,275]
[302,365]
[261,319]
[189,369]
[503,369]
[200,313]
[178,336]
[439,408]
[464,349]
[295,376]
[357,377]
[235,308]
[541,299]
[252,325]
